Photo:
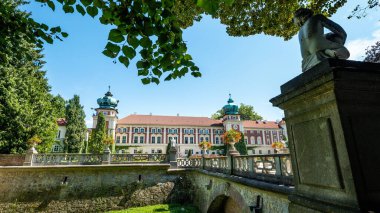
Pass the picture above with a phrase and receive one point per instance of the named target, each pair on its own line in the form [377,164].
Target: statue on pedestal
[315,45]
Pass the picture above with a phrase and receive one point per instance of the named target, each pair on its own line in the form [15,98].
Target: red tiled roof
[169,120]
[261,124]
[61,122]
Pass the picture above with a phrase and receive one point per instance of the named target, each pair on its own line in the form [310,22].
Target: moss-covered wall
[81,182]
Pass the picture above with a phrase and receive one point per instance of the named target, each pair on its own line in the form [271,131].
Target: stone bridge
[229,189]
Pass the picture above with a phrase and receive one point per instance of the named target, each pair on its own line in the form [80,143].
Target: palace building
[152,133]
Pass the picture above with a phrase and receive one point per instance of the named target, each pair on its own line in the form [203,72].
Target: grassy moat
[162,208]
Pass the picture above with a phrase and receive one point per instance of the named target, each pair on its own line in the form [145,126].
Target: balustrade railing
[138,158]
[275,168]
[66,159]
[189,162]
[94,159]
[217,164]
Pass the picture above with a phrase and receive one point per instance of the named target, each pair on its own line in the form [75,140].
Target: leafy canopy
[153,29]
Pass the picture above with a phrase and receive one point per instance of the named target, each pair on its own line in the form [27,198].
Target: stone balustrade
[48,159]
[138,158]
[275,168]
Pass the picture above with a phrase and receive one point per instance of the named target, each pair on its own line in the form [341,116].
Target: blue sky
[251,68]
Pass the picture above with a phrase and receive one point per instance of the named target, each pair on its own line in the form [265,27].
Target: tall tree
[59,106]
[246,113]
[98,135]
[75,127]
[25,103]
[373,53]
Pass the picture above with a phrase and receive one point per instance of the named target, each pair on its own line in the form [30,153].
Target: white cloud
[357,47]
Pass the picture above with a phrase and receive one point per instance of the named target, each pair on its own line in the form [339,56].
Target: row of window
[157,139]
[170,131]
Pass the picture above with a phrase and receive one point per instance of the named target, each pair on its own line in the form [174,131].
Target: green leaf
[64,34]
[109,53]
[98,3]
[145,42]
[115,36]
[70,2]
[92,11]
[112,47]
[55,29]
[209,6]
[124,60]
[80,9]
[129,52]
[194,68]
[155,80]
[196,74]
[145,80]
[184,70]
[86,2]
[157,72]
[51,5]
[139,65]
[168,78]
[48,39]
[133,41]
[68,9]
[188,57]
[143,72]
[44,27]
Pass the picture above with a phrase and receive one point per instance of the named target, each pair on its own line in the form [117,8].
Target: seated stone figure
[315,45]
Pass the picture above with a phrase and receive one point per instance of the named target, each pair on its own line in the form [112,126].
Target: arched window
[125,130]
[216,140]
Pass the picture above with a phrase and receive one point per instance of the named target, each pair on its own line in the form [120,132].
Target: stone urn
[232,151]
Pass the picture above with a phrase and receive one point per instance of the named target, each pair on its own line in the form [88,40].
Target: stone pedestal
[29,156]
[332,114]
[173,157]
[106,155]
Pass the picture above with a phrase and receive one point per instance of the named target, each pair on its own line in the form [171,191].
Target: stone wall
[78,188]
[11,159]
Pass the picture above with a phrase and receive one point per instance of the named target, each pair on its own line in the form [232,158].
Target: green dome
[107,102]
[231,108]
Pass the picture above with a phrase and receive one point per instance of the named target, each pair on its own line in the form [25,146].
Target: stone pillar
[29,156]
[173,157]
[106,156]
[332,114]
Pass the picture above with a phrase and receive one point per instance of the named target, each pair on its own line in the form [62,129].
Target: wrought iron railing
[275,168]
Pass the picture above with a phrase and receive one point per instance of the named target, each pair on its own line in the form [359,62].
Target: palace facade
[152,133]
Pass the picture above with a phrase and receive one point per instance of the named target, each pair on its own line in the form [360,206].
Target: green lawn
[161,208]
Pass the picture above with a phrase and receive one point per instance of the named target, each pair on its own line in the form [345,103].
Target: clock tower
[231,119]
